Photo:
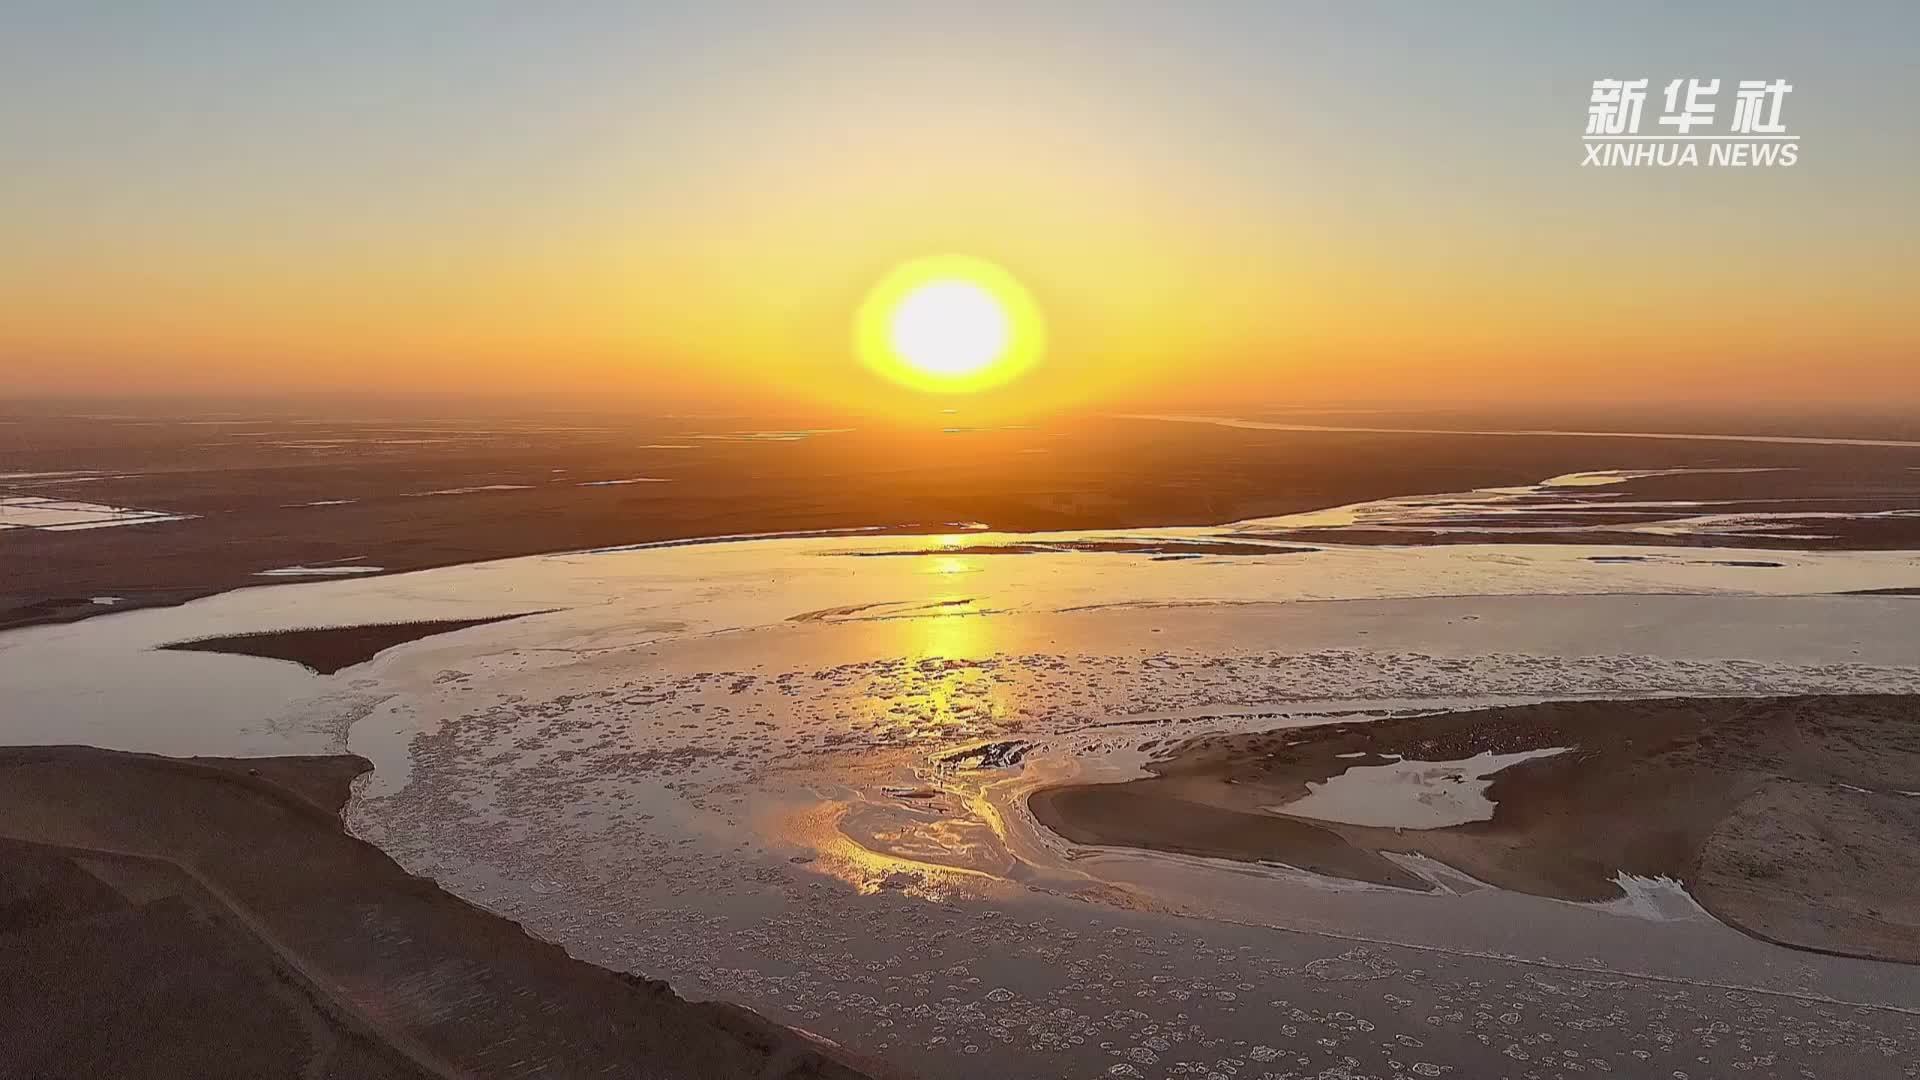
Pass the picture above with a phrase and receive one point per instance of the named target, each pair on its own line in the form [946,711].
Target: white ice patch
[1601,477]
[767,436]
[65,515]
[475,488]
[1518,508]
[319,571]
[1409,794]
[1659,899]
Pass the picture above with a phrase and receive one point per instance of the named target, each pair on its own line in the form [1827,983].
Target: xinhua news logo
[1754,137]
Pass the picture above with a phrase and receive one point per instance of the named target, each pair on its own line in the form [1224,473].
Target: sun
[950,324]
[949,327]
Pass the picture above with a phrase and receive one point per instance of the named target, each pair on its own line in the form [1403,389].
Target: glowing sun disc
[949,323]
[949,328]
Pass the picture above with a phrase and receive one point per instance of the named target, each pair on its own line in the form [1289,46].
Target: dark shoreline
[218,912]
[326,650]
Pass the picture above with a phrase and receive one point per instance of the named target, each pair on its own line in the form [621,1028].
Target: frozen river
[745,767]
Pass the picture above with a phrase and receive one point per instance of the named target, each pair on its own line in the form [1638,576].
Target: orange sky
[1230,204]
